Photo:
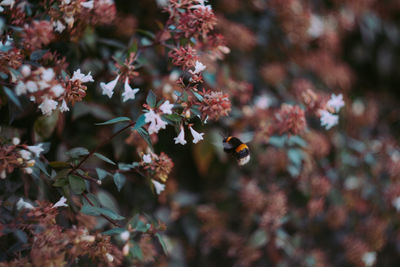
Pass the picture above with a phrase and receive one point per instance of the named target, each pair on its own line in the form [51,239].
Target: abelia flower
[31,86]
[180,139]
[82,77]
[64,106]
[88,4]
[196,136]
[21,204]
[129,93]
[336,102]
[48,75]
[58,26]
[16,141]
[108,88]
[159,187]
[9,3]
[47,106]
[25,154]
[124,235]
[396,203]
[61,203]
[166,107]
[328,120]
[156,123]
[36,149]
[147,158]
[369,258]
[198,67]
[20,88]
[25,70]
[57,90]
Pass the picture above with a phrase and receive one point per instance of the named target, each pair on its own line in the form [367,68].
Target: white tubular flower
[156,123]
[109,257]
[166,107]
[25,154]
[31,86]
[369,258]
[316,28]
[3,174]
[47,106]
[20,88]
[328,120]
[263,102]
[336,102]
[16,141]
[25,70]
[57,90]
[58,26]
[129,93]
[28,170]
[147,158]
[61,203]
[70,21]
[64,106]
[159,187]
[8,3]
[396,203]
[150,116]
[125,235]
[88,4]
[196,136]
[36,149]
[108,88]
[180,139]
[82,77]
[48,75]
[161,124]
[21,204]
[198,67]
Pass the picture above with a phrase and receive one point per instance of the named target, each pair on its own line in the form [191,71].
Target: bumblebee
[237,148]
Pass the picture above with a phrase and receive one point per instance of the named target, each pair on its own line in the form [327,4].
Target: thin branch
[99,146]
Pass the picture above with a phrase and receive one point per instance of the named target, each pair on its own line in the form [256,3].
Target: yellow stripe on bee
[241,147]
[229,138]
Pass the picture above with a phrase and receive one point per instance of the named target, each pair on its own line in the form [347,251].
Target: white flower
[64,106]
[58,26]
[198,67]
[196,136]
[47,106]
[124,235]
[61,203]
[396,203]
[25,70]
[67,2]
[36,149]
[166,107]
[1,9]
[16,141]
[28,170]
[3,174]
[57,90]
[25,154]
[20,88]
[88,4]
[316,28]
[43,85]
[70,21]
[328,120]
[129,93]
[159,187]
[156,123]
[263,102]
[109,257]
[31,86]
[48,75]
[147,158]
[21,204]
[108,88]
[82,77]
[180,139]
[8,3]
[369,258]
[336,102]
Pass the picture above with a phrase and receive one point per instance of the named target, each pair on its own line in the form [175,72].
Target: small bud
[16,141]
[109,257]
[125,249]
[3,174]
[28,170]
[124,235]
[30,163]
[20,161]
[99,182]
[88,238]
[25,70]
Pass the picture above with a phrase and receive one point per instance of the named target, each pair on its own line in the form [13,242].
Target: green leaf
[90,210]
[114,231]
[77,184]
[102,173]
[140,122]
[135,220]
[125,167]
[96,211]
[104,158]
[295,156]
[151,99]
[144,134]
[173,117]
[41,166]
[119,180]
[141,227]
[62,174]
[297,140]
[45,125]
[198,96]
[258,239]
[163,245]
[137,251]
[10,94]
[115,120]
[38,54]
[60,182]
[93,199]
[77,152]
[277,141]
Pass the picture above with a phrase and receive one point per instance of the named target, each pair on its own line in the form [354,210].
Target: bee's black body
[237,148]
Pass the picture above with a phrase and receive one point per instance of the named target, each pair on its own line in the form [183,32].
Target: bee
[238,149]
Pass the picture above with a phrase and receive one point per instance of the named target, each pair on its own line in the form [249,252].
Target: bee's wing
[246,137]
